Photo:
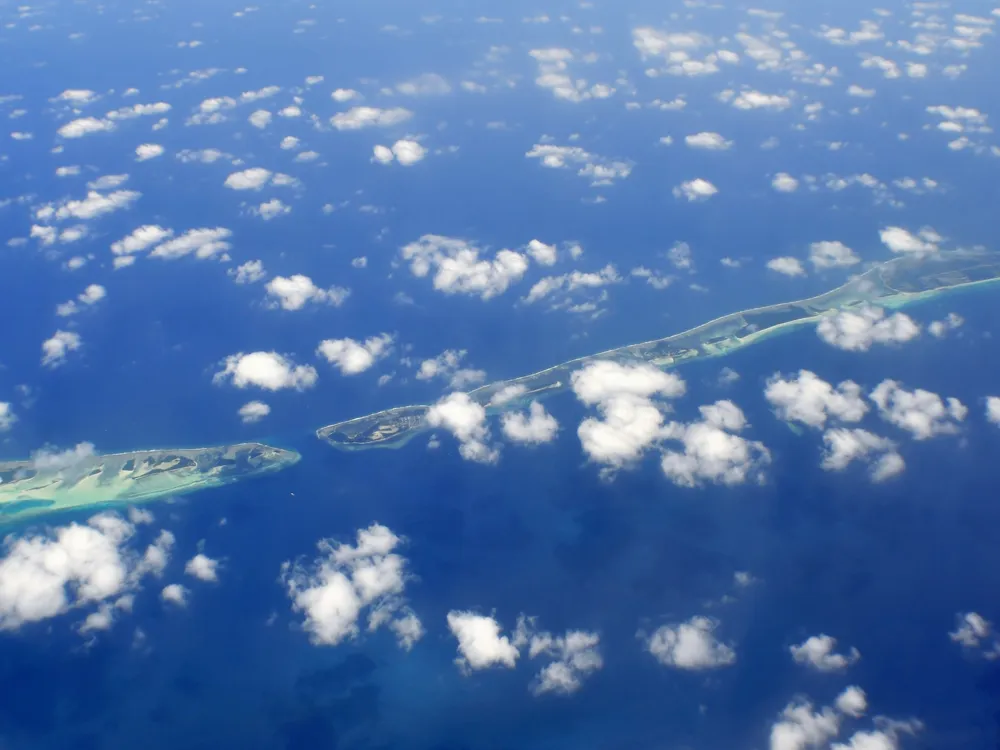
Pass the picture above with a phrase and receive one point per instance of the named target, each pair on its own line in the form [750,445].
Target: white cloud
[94,205]
[921,413]
[253,411]
[352,357]
[809,399]
[446,365]
[139,110]
[600,170]
[800,728]
[542,254]
[993,409]
[695,190]
[818,653]
[260,118]
[571,282]
[852,702]
[466,420]
[427,84]
[54,350]
[855,90]
[690,645]
[204,243]
[458,268]
[268,370]
[249,179]
[899,240]
[271,209]
[828,254]
[85,126]
[858,330]
[93,294]
[406,152]
[294,292]
[574,656]
[757,100]
[784,183]
[346,580]
[843,446]
[712,452]
[535,427]
[248,273]
[940,328]
[45,575]
[7,416]
[140,239]
[202,567]
[787,266]
[971,630]
[480,643]
[174,594]
[148,151]
[77,97]
[631,422]
[708,141]
[344,95]
[357,118]
[204,156]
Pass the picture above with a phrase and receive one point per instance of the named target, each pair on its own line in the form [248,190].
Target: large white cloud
[405,151]
[140,239]
[294,292]
[809,399]
[900,240]
[858,330]
[818,653]
[921,413]
[458,268]
[357,118]
[78,565]
[533,428]
[466,420]
[347,581]
[690,645]
[352,357]
[481,643]
[712,452]
[268,370]
[844,446]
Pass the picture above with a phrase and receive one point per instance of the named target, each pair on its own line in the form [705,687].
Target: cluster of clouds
[599,170]
[162,243]
[801,726]
[457,267]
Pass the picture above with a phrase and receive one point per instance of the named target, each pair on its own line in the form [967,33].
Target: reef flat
[38,486]
[893,284]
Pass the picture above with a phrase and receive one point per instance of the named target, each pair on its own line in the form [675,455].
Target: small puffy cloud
[271,209]
[268,370]
[600,170]
[174,594]
[809,399]
[203,243]
[466,420]
[260,119]
[695,190]
[631,422]
[77,97]
[852,702]
[93,294]
[690,645]
[458,268]
[859,329]
[70,567]
[139,110]
[574,656]
[253,411]
[85,126]
[406,152]
[899,240]
[784,183]
[7,416]
[202,567]
[757,100]
[94,205]
[357,118]
[346,581]
[428,84]
[352,357]
[859,91]
[817,652]
[787,266]
[249,179]
[447,365]
[571,282]
[294,292]
[712,452]
[533,428]
[973,631]
[542,254]
[55,349]
[480,642]
[140,239]
[940,328]
[921,413]
[844,446]
[248,273]
[148,151]
[800,728]
[993,409]
[827,254]
[344,95]
[708,141]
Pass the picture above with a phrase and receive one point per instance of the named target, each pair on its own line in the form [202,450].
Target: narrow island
[33,487]
[894,284]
